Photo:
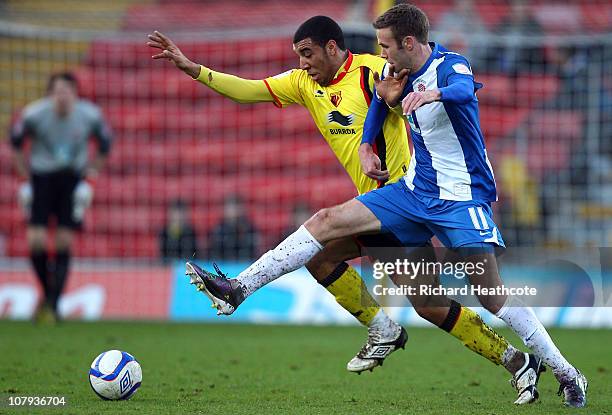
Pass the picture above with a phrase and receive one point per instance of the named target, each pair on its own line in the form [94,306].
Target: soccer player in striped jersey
[450,185]
[336,86]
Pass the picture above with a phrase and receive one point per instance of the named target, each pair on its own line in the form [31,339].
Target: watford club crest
[335,98]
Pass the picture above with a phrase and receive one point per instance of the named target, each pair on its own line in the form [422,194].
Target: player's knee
[320,223]
[37,239]
[330,217]
[321,218]
[492,303]
[321,267]
[63,240]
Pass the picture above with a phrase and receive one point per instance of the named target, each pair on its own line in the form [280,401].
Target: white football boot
[378,346]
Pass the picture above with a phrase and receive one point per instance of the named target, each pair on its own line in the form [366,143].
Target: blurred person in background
[466,31]
[517,55]
[300,214]
[178,240]
[57,177]
[235,238]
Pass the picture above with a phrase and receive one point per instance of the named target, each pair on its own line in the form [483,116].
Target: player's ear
[408,43]
[331,47]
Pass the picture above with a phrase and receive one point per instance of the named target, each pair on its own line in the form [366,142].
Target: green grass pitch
[239,369]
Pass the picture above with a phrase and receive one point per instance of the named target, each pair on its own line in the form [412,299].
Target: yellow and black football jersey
[339,111]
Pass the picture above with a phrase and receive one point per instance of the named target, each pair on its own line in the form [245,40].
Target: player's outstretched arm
[236,88]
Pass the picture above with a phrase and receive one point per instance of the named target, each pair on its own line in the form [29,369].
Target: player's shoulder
[88,108]
[36,108]
[454,62]
[295,76]
[375,63]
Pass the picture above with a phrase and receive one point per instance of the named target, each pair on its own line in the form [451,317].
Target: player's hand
[416,100]
[370,163]
[171,52]
[24,198]
[390,89]
[91,174]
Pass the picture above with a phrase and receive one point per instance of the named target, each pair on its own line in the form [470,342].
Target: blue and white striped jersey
[450,158]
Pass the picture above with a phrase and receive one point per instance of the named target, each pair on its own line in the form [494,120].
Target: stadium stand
[175,138]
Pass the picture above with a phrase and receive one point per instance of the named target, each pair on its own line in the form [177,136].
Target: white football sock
[509,354]
[289,255]
[523,321]
[384,324]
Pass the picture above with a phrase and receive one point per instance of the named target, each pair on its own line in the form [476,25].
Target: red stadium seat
[499,122]
[228,15]
[524,91]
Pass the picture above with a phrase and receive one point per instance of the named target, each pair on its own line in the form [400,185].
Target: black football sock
[62,261]
[40,263]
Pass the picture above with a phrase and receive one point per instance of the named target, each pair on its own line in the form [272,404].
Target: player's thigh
[464,224]
[348,219]
[469,230]
[333,255]
[398,214]
[43,199]
[66,184]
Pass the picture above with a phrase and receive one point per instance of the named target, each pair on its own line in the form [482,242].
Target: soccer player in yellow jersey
[336,87]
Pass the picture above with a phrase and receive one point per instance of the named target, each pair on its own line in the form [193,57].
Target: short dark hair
[64,76]
[321,29]
[404,20]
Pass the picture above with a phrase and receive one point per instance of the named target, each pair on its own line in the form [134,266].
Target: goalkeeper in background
[59,126]
[336,87]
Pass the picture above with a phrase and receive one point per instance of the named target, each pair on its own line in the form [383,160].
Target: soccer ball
[115,375]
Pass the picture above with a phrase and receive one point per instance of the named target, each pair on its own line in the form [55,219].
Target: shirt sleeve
[285,88]
[19,130]
[375,119]
[457,82]
[238,89]
[102,133]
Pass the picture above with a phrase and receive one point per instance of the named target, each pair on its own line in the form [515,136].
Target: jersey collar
[434,54]
[343,69]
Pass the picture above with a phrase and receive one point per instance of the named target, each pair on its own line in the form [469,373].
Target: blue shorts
[414,219]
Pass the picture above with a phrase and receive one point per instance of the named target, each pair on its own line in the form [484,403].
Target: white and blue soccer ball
[115,375]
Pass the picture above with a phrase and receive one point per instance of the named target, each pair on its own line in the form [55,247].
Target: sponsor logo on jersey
[335,98]
[338,131]
[319,93]
[339,118]
[421,87]
[343,120]
[462,69]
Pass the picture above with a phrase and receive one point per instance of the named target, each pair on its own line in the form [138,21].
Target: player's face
[63,95]
[392,51]
[315,60]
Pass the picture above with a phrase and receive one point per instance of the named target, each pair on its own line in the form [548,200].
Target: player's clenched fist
[370,163]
